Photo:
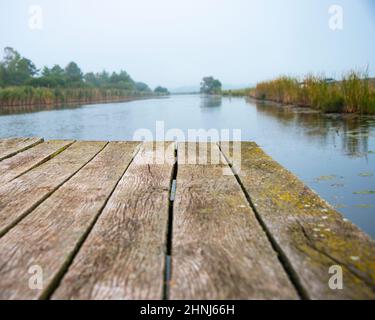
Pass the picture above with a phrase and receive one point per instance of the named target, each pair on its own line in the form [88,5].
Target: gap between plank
[45,197]
[48,292]
[284,261]
[169,235]
[51,156]
[41,140]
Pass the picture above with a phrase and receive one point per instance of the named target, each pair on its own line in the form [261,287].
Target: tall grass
[26,96]
[353,94]
[237,92]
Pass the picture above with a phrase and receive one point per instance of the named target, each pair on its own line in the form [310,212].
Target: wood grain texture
[22,162]
[18,197]
[10,147]
[311,235]
[219,249]
[49,236]
[123,257]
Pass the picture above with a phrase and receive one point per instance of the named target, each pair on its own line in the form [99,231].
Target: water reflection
[208,101]
[349,132]
[35,108]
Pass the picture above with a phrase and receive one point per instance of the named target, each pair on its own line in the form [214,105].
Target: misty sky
[175,43]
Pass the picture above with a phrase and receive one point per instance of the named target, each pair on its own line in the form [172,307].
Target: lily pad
[326,178]
[366,174]
[340,206]
[365,192]
[364,206]
[338,185]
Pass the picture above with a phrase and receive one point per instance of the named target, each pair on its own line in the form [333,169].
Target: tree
[10,56]
[122,81]
[114,78]
[57,71]
[91,79]
[124,77]
[209,85]
[73,73]
[27,68]
[46,72]
[126,82]
[142,87]
[103,78]
[54,77]
[161,90]
[16,70]
[2,74]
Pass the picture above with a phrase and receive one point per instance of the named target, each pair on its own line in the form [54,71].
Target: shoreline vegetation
[22,84]
[28,96]
[354,93]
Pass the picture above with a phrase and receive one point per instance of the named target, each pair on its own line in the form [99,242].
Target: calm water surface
[333,154]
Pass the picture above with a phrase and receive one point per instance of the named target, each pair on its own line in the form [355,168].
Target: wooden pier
[99,220]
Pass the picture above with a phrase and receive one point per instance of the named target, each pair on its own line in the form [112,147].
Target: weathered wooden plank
[310,234]
[219,249]
[10,147]
[123,257]
[17,165]
[49,236]
[18,197]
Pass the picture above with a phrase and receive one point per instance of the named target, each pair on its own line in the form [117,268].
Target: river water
[333,154]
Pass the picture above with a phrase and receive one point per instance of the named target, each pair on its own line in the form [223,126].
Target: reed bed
[355,93]
[30,96]
[237,92]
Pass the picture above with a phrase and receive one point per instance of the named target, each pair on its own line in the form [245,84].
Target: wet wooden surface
[124,220]
[308,233]
[219,249]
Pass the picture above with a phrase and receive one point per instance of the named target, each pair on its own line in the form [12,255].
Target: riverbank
[12,110]
[355,93]
[18,97]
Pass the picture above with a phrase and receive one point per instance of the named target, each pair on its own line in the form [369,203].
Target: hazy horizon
[176,43]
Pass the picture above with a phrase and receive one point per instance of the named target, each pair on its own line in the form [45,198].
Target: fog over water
[176,43]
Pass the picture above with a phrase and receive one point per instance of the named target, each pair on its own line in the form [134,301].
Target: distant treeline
[21,83]
[354,93]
